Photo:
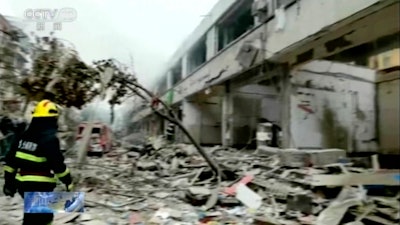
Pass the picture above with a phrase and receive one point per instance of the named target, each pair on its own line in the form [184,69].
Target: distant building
[15,48]
[5,37]
[23,46]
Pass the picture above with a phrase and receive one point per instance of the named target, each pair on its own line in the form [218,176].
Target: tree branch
[213,165]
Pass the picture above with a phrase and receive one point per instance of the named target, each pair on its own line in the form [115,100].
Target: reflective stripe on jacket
[170,129]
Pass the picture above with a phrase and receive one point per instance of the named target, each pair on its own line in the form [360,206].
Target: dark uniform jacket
[35,158]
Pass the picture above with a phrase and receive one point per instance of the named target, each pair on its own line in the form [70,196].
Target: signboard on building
[170,97]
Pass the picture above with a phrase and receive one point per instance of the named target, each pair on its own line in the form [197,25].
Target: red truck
[100,140]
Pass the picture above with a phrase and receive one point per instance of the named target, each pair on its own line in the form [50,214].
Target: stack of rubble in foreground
[173,185]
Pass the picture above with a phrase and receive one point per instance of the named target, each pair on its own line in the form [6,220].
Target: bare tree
[57,73]
[60,75]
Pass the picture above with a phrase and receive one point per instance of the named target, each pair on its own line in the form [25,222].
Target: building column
[185,66]
[191,119]
[211,43]
[285,117]
[169,80]
[227,116]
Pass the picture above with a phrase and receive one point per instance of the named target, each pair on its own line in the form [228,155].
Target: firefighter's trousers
[36,218]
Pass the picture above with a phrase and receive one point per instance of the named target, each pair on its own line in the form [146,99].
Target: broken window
[237,22]
[80,130]
[96,130]
[177,73]
[197,56]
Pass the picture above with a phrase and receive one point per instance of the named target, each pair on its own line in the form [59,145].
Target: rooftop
[205,25]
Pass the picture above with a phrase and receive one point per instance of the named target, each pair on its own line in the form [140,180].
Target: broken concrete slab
[248,197]
[199,191]
[161,194]
[366,178]
[304,157]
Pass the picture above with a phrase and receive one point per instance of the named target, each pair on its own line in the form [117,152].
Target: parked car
[100,139]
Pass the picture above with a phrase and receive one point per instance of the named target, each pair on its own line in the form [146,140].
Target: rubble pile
[172,184]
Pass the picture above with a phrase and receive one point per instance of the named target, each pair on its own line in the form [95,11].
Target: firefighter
[35,160]
[170,131]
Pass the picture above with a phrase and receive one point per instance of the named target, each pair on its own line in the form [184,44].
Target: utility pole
[105,78]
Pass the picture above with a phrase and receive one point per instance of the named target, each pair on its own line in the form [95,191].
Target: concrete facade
[14,63]
[334,104]
[248,70]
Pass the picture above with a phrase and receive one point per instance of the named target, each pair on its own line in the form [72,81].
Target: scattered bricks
[304,157]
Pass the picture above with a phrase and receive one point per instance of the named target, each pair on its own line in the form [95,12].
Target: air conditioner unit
[263,10]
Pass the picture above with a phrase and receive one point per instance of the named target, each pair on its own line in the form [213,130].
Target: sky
[148,31]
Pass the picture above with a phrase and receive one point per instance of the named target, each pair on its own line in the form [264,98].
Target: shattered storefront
[318,105]
[331,105]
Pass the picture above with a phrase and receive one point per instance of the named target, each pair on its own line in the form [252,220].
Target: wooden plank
[369,178]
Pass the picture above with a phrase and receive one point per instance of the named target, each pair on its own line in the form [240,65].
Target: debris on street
[303,96]
[174,185]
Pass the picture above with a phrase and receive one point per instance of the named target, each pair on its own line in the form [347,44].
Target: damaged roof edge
[374,7]
[218,11]
[325,66]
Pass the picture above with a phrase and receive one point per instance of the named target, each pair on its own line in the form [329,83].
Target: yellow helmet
[45,108]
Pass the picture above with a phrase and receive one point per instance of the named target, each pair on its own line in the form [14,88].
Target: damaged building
[322,75]
[325,72]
